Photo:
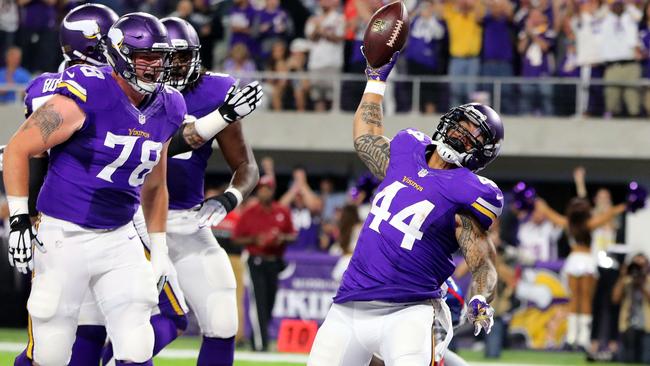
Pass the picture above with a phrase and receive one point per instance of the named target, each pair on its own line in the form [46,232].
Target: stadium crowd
[464,39]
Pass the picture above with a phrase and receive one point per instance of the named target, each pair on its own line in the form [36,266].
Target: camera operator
[632,291]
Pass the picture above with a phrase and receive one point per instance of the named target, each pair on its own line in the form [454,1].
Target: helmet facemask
[185,65]
[469,144]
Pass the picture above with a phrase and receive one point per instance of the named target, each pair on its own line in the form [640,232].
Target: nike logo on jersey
[70,74]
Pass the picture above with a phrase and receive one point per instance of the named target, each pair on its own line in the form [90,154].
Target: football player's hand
[380,73]
[215,208]
[159,257]
[22,241]
[240,103]
[481,314]
[212,212]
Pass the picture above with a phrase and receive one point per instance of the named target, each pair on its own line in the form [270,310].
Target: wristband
[375,87]
[18,205]
[237,194]
[210,125]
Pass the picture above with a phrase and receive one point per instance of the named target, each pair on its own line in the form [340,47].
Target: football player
[205,274]
[430,204]
[107,129]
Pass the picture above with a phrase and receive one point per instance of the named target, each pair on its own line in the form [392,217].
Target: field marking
[243,356]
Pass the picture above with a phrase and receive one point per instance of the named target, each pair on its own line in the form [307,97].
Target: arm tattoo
[479,255]
[47,119]
[191,136]
[371,113]
[374,151]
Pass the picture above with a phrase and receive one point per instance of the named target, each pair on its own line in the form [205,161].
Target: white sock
[572,329]
[584,334]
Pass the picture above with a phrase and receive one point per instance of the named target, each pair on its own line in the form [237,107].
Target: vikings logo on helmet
[82,33]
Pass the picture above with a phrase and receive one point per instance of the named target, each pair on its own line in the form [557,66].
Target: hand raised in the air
[380,73]
[481,314]
[22,239]
[241,102]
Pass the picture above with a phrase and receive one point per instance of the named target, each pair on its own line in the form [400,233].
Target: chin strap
[447,154]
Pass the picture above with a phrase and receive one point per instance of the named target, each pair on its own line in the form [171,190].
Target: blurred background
[568,76]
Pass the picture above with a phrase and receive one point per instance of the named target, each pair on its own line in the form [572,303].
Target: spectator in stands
[242,19]
[567,67]
[587,25]
[264,228]
[13,74]
[357,15]
[274,25]
[350,226]
[498,48]
[537,237]
[644,35]
[622,54]
[424,51]
[37,34]
[536,43]
[306,208]
[298,63]
[224,234]
[632,291]
[278,62]
[8,25]
[325,31]
[463,19]
[153,7]
[239,62]
[332,201]
[207,25]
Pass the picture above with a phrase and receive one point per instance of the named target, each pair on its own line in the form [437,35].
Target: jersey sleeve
[215,89]
[484,201]
[85,85]
[38,91]
[406,141]
[175,106]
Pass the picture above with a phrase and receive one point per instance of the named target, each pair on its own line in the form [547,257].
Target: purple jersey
[186,171]
[94,178]
[403,253]
[40,90]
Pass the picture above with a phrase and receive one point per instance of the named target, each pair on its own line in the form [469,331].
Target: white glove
[240,103]
[481,314]
[212,212]
[22,239]
[214,209]
[159,257]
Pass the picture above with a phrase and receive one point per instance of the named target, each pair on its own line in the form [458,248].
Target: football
[386,33]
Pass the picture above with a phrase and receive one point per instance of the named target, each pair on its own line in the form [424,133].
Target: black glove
[21,240]
[240,103]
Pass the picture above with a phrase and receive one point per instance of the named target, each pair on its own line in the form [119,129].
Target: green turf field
[12,340]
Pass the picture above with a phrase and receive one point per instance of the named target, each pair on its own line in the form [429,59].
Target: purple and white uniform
[40,90]
[404,250]
[390,294]
[187,170]
[88,201]
[204,271]
[94,178]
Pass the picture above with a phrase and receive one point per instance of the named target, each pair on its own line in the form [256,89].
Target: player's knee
[222,314]
[44,299]
[54,349]
[134,342]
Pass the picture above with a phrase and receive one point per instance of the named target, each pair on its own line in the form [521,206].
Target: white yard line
[239,355]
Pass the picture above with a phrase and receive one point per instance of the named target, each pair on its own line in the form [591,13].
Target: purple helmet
[83,31]
[453,150]
[186,61]
[139,34]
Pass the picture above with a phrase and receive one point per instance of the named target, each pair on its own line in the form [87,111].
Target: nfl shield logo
[423,173]
[142,119]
